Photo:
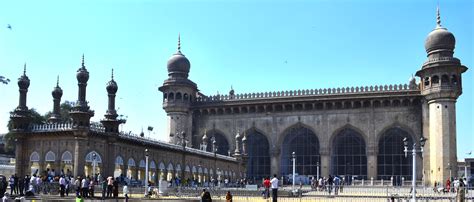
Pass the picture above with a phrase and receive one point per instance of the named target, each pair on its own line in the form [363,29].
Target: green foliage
[65,108]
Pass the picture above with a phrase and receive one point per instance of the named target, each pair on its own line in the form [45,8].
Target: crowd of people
[453,185]
[329,184]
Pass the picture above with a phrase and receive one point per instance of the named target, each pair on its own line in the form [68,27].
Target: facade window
[435,80]
[305,144]
[349,155]
[221,144]
[258,150]
[444,80]
[391,160]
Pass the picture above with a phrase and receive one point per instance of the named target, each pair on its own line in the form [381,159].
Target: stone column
[372,161]
[20,167]
[109,159]
[275,160]
[79,158]
[325,162]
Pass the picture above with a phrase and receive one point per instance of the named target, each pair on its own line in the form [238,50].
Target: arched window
[348,154]
[444,80]
[258,150]
[131,162]
[119,161]
[435,79]
[305,144]
[185,97]
[66,157]
[171,96]
[90,157]
[222,145]
[161,166]
[178,96]
[34,157]
[50,157]
[391,160]
[165,97]
[454,80]
[427,81]
[170,167]
[141,164]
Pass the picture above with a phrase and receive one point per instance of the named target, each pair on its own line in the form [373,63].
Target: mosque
[357,132]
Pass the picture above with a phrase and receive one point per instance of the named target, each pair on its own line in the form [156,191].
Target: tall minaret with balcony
[57,94]
[178,93]
[441,85]
[81,113]
[111,123]
[21,115]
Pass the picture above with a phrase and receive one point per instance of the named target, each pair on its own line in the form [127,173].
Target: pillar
[275,161]
[79,157]
[372,162]
[325,162]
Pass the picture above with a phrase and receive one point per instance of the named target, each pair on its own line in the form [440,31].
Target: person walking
[330,181]
[110,186]
[104,188]
[228,197]
[62,186]
[337,182]
[266,186]
[274,186]
[125,191]
[12,185]
[116,187]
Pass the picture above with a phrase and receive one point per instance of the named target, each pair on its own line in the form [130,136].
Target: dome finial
[83,61]
[24,70]
[112,74]
[438,18]
[179,42]
[57,82]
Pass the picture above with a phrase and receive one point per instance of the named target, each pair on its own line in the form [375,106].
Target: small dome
[82,75]
[112,87]
[23,82]
[178,63]
[57,92]
[440,39]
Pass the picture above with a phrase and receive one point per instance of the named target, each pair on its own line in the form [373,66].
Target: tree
[9,139]
[65,108]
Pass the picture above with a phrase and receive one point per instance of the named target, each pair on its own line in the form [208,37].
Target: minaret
[178,94]
[21,115]
[110,122]
[441,85]
[81,112]
[57,94]
[237,145]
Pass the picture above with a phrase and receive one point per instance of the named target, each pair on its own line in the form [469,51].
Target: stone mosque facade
[354,132]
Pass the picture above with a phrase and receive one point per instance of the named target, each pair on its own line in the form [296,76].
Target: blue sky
[255,46]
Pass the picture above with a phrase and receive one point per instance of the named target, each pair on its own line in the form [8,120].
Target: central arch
[349,154]
[258,151]
[305,144]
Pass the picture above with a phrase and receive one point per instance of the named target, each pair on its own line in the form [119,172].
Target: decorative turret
[441,85]
[205,138]
[237,144]
[57,94]
[178,93]
[81,112]
[111,123]
[21,115]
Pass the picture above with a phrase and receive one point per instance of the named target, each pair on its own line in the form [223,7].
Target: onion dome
[57,91]
[112,85]
[178,64]
[82,74]
[440,39]
[244,138]
[204,137]
[24,81]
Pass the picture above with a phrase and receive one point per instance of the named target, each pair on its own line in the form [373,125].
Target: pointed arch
[66,157]
[258,151]
[170,167]
[141,164]
[391,160]
[119,161]
[187,169]
[34,157]
[161,166]
[222,142]
[282,136]
[50,157]
[178,167]
[131,162]
[152,164]
[305,143]
[90,157]
[348,154]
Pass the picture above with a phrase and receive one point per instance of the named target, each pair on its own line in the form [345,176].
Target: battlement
[310,92]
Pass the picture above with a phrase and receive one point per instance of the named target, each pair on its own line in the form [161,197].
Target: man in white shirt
[62,185]
[274,186]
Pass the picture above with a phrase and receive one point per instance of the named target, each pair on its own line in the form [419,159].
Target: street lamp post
[293,155]
[146,172]
[94,156]
[317,170]
[414,151]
